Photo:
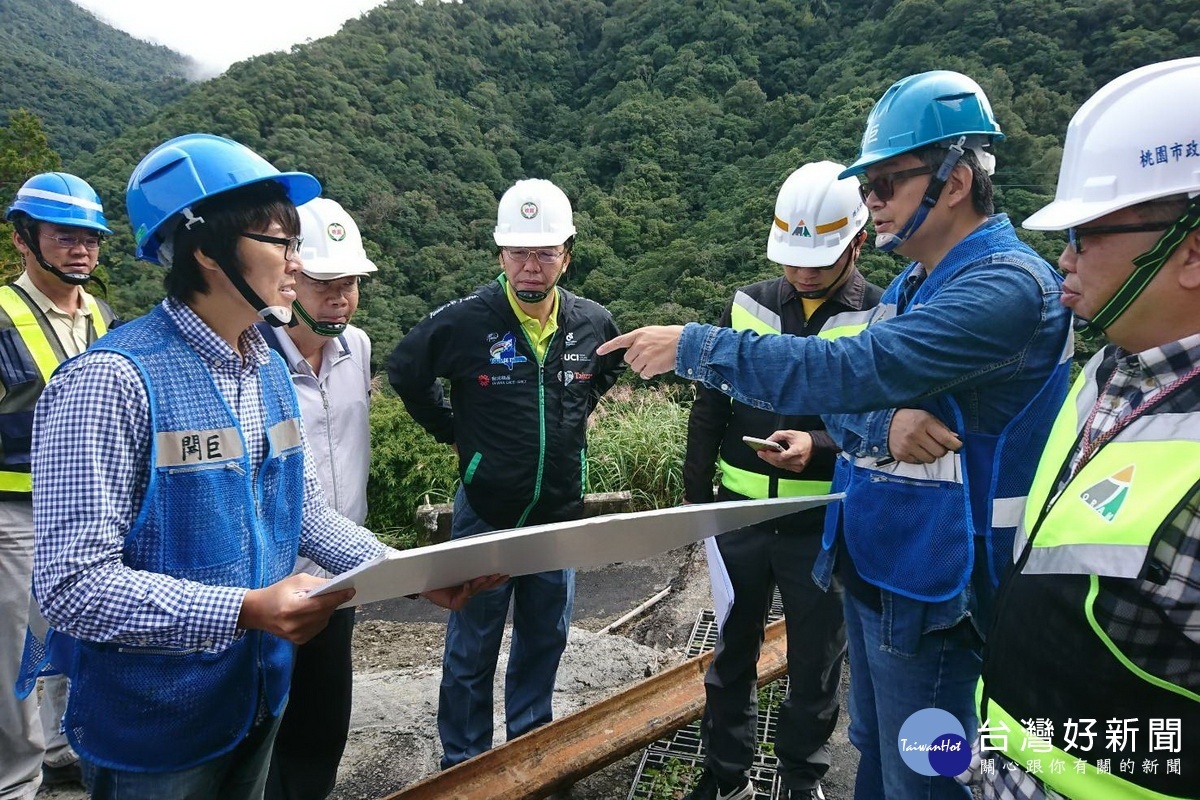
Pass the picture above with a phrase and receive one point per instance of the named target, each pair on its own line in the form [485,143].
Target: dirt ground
[393,737]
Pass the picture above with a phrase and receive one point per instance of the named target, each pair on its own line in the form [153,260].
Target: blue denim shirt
[980,340]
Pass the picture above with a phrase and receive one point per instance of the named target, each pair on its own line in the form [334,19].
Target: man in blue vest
[939,405]
[174,489]
[46,317]
[1091,684]
[817,233]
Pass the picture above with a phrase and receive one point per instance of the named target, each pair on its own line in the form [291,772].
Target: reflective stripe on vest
[30,330]
[749,314]
[1103,520]
[1008,735]
[758,486]
[46,359]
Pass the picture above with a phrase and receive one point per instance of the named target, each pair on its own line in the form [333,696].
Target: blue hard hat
[189,169]
[60,198]
[924,109]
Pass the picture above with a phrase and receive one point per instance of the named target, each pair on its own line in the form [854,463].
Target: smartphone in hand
[760,444]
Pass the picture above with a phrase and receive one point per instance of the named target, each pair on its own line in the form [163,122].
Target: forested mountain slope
[670,124]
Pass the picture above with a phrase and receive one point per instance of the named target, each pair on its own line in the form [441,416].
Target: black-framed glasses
[291,244]
[70,241]
[519,255]
[1075,235]
[884,184]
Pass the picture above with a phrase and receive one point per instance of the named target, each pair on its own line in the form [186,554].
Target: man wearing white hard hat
[818,231]
[330,364]
[1097,633]
[520,355]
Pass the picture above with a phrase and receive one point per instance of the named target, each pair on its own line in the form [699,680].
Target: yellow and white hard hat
[816,216]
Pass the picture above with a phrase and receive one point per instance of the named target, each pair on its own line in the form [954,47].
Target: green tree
[24,152]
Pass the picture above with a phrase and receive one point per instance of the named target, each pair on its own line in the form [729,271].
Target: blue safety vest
[914,529]
[206,517]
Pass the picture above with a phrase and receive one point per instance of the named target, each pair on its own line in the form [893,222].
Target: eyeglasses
[1075,235]
[70,241]
[291,244]
[884,186]
[519,255]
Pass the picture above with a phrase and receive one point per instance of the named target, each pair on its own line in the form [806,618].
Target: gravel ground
[393,739]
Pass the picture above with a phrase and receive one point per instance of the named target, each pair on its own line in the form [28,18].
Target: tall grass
[636,442]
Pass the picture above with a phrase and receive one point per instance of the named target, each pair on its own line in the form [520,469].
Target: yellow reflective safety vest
[757,308]
[1060,649]
[29,353]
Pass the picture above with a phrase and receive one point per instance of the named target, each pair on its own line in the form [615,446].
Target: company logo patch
[570,342]
[484,381]
[933,742]
[1107,496]
[529,210]
[505,352]
[802,230]
[336,231]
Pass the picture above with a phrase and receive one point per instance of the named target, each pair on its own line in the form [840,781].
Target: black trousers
[312,735]
[758,559]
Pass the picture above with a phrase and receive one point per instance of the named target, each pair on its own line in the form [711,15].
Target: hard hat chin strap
[72,278]
[887,242]
[817,294]
[1145,267]
[275,316]
[329,329]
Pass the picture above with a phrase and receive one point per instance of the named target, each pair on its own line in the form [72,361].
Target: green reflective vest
[1054,652]
[29,353]
[747,314]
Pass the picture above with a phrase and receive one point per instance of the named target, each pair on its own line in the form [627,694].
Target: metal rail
[558,754]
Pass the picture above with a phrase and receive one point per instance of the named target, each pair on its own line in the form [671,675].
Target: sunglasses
[884,186]
[1075,235]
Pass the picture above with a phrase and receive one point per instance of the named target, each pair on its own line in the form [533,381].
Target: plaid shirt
[1140,622]
[91,465]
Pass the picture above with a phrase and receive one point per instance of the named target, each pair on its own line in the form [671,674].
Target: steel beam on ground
[558,754]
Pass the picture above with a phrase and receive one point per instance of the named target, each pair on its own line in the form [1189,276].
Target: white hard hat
[816,216]
[1132,141]
[333,246]
[533,213]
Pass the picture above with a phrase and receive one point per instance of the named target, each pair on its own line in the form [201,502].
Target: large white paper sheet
[718,577]
[562,545]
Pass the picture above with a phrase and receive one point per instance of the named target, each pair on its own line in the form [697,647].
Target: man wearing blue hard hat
[940,406]
[45,318]
[174,489]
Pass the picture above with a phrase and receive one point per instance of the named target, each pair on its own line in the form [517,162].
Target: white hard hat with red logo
[333,245]
[533,213]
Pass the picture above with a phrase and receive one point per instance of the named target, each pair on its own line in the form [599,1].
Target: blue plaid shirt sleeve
[90,465]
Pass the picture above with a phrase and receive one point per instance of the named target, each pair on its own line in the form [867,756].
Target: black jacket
[520,428]
[718,423]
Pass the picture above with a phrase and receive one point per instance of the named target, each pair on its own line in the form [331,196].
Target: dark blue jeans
[542,605]
[240,774]
[902,660]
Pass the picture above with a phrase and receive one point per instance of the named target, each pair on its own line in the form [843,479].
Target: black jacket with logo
[520,427]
